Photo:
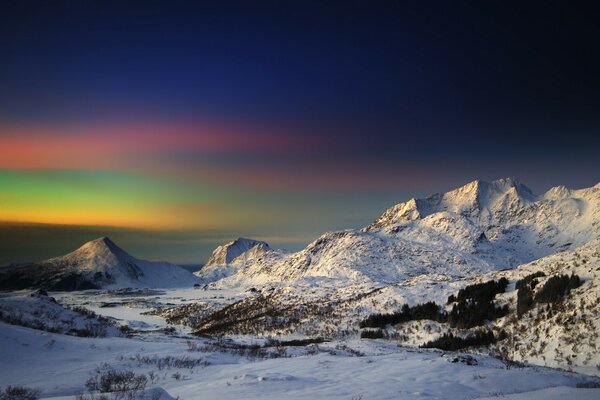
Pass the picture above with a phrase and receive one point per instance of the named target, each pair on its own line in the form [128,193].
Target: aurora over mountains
[173,127]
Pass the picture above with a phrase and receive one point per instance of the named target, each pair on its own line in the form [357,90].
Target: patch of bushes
[271,349]
[372,334]
[450,342]
[161,363]
[530,280]
[557,287]
[429,310]
[124,383]
[294,342]
[485,291]
[19,393]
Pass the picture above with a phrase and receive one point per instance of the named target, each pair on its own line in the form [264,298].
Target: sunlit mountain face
[176,126]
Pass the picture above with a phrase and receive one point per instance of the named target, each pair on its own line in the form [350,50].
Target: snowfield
[262,323]
[60,365]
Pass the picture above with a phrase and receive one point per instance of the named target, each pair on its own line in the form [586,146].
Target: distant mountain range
[477,228]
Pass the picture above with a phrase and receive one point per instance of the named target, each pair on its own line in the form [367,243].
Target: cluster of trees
[555,288]
[372,334]
[484,291]
[525,288]
[429,310]
[473,305]
[450,342]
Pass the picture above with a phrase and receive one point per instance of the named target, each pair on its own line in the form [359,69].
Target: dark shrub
[372,334]
[109,380]
[524,299]
[525,291]
[529,280]
[482,291]
[429,310]
[450,342]
[19,393]
[556,287]
[475,304]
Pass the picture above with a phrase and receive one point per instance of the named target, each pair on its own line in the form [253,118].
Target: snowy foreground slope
[97,264]
[60,365]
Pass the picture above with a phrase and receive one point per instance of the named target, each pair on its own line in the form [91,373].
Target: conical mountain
[99,263]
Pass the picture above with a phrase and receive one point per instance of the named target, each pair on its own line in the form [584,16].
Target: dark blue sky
[439,67]
[367,103]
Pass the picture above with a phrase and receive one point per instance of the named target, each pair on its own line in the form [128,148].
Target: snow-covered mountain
[231,257]
[477,228]
[237,251]
[99,263]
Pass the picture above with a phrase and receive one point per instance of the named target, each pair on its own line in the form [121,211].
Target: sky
[175,126]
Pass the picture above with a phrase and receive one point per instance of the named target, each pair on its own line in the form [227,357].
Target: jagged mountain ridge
[477,228]
[229,258]
[97,264]
[236,251]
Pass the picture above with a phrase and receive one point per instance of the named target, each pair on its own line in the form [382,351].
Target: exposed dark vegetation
[19,393]
[276,314]
[525,288]
[554,289]
[372,334]
[250,351]
[480,291]
[429,310]
[450,342]
[167,362]
[122,384]
[188,314]
[473,306]
[530,280]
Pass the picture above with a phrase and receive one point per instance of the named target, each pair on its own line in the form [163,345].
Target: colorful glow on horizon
[109,198]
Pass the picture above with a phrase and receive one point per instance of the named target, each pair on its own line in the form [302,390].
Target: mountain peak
[102,246]
[502,185]
[228,252]
[469,199]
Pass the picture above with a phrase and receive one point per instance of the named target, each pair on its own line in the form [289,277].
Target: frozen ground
[356,369]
